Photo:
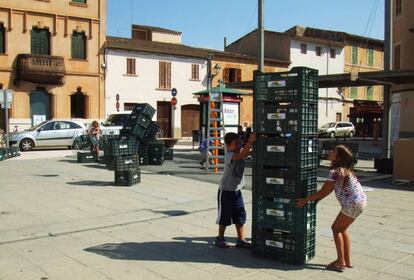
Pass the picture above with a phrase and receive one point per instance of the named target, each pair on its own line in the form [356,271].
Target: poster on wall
[38,119]
[231,113]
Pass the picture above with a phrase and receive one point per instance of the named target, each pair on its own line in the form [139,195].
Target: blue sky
[205,23]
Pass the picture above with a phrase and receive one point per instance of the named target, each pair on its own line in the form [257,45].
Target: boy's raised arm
[246,150]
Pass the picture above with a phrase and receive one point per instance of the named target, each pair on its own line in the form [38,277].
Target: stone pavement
[63,220]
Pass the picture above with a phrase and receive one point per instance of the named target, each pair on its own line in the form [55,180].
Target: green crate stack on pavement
[87,157]
[2,154]
[285,161]
[7,153]
[156,152]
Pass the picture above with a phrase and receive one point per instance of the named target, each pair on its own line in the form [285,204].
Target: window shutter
[197,72]
[226,72]
[2,39]
[78,45]
[40,41]
[354,55]
[161,74]
[238,75]
[370,93]
[168,74]
[133,66]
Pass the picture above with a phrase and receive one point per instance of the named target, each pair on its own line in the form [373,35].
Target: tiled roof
[154,28]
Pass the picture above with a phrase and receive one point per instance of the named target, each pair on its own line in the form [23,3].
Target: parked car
[114,123]
[50,133]
[337,129]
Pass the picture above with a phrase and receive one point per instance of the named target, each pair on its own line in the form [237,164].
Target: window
[318,51]
[130,66]
[370,57]
[397,57]
[40,41]
[354,55]
[79,1]
[354,93]
[332,53]
[195,72]
[165,75]
[73,125]
[398,7]
[304,48]
[338,117]
[370,93]
[48,126]
[2,39]
[231,75]
[62,125]
[78,45]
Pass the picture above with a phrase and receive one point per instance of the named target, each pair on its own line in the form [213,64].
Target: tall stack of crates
[124,161]
[285,162]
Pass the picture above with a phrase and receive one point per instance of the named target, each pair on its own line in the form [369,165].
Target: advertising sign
[231,113]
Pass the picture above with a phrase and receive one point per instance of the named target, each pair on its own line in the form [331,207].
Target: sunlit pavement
[63,220]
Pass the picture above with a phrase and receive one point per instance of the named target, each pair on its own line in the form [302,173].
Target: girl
[351,197]
[94,132]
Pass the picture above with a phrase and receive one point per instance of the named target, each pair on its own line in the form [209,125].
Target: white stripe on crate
[219,207]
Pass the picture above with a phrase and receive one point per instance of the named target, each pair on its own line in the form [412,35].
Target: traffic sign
[174,92]
[173,101]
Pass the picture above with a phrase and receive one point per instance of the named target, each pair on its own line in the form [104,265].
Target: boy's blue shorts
[230,208]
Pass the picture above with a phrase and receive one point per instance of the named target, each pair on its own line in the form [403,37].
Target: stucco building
[403,59]
[51,56]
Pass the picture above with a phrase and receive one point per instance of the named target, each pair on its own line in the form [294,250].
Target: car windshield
[116,120]
[36,126]
[329,125]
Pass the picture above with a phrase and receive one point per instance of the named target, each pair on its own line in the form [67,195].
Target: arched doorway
[190,119]
[78,105]
[39,106]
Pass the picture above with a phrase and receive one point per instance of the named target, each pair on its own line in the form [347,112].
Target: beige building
[52,57]
[403,59]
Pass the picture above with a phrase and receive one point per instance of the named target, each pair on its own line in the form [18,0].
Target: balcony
[43,69]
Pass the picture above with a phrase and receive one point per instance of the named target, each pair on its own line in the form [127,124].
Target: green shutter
[78,45]
[40,41]
[79,1]
[354,93]
[370,93]
[354,55]
[2,39]
[371,57]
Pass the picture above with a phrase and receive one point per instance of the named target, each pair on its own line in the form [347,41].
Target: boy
[230,201]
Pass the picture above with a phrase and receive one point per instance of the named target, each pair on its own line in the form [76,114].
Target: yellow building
[403,59]
[362,54]
[52,57]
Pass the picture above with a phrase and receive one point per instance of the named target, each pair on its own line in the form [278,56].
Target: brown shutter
[168,75]
[238,75]
[161,75]
[226,72]
[197,70]
[133,66]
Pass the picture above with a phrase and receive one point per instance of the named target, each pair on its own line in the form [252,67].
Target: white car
[114,123]
[50,133]
[336,129]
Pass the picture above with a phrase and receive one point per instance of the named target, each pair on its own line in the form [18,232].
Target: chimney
[225,43]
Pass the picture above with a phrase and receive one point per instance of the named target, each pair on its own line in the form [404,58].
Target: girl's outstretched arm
[326,189]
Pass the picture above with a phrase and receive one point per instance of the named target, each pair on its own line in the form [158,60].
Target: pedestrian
[240,133]
[204,151]
[350,196]
[230,200]
[94,136]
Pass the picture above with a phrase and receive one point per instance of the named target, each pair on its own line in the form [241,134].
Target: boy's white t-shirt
[233,177]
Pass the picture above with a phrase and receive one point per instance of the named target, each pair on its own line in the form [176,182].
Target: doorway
[78,105]
[190,119]
[39,106]
[164,118]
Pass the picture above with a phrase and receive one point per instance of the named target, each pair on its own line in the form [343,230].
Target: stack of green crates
[87,157]
[156,152]
[7,153]
[285,161]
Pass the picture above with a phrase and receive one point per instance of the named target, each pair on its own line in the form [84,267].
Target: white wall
[325,65]
[166,37]
[143,88]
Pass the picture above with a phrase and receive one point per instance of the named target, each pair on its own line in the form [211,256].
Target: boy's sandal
[221,243]
[243,244]
[334,267]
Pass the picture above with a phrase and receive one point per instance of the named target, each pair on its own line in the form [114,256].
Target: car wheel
[26,145]
[332,135]
[351,134]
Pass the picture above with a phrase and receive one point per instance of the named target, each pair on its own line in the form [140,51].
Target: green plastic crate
[128,178]
[87,157]
[123,146]
[126,163]
[288,247]
[144,109]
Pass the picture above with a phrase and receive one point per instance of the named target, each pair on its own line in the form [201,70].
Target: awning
[225,91]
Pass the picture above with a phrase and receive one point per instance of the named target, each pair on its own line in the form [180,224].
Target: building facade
[402,110]
[146,71]
[51,56]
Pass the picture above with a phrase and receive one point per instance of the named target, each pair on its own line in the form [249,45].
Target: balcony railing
[44,69]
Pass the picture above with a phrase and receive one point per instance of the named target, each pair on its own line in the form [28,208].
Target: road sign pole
[6,117]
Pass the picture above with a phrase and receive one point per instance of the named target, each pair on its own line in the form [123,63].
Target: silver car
[48,134]
[337,129]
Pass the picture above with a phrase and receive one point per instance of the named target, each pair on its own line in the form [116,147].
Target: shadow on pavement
[190,250]
[91,183]
[172,213]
